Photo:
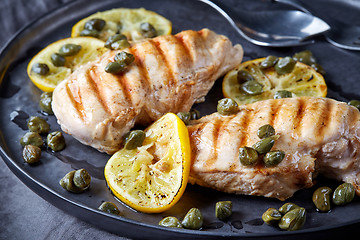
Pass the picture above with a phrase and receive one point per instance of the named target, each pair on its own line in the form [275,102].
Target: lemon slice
[153,177]
[302,81]
[127,21]
[91,48]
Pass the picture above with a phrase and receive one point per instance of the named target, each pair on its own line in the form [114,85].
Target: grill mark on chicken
[326,112]
[244,122]
[185,46]
[125,86]
[298,117]
[275,109]
[76,104]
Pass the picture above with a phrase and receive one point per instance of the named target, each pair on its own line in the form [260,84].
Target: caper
[317,67]
[293,220]
[109,207]
[124,57]
[223,210]
[32,138]
[184,116]
[120,44]
[31,154]
[343,194]
[82,179]
[39,125]
[321,198]
[244,76]
[282,94]
[248,156]
[194,114]
[68,184]
[273,158]
[57,60]
[55,141]
[95,24]
[115,67]
[69,49]
[287,207]
[193,219]
[227,106]
[252,87]
[113,39]
[264,145]
[148,30]
[170,222]
[45,102]
[285,65]
[40,68]
[271,216]
[265,131]
[134,139]
[305,56]
[355,103]
[268,62]
[90,33]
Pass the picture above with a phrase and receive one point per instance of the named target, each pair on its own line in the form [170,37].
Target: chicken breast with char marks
[318,135]
[170,73]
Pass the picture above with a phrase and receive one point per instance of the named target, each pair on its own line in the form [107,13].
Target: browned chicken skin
[318,135]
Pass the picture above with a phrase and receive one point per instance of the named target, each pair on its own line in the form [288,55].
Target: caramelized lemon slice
[303,80]
[153,177]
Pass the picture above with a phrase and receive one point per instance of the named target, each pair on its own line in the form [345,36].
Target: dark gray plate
[19,100]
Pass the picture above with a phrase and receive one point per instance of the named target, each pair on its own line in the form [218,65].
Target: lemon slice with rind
[153,177]
[90,49]
[303,80]
[126,21]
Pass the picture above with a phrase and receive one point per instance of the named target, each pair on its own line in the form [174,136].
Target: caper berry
[343,194]
[305,56]
[90,33]
[268,62]
[193,219]
[32,138]
[31,154]
[271,216]
[40,68]
[82,179]
[194,114]
[265,131]
[223,210]
[170,222]
[321,198]
[69,49]
[244,76]
[148,30]
[113,39]
[248,156]
[273,158]
[355,103]
[287,207]
[264,145]
[109,207]
[57,60]
[134,139]
[285,65]
[293,220]
[184,116]
[55,141]
[252,87]
[227,106]
[124,57]
[120,44]
[68,184]
[39,125]
[45,102]
[282,94]
[115,67]
[95,24]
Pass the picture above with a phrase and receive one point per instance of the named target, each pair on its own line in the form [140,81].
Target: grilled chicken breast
[318,135]
[170,73]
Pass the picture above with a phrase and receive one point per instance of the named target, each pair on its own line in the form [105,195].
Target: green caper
[109,207]
[57,60]
[193,219]
[55,141]
[120,44]
[293,220]
[305,56]
[124,57]
[287,207]
[68,184]
[321,198]
[148,30]
[244,76]
[90,33]
[184,116]
[194,114]
[113,39]
[45,102]
[273,158]
[227,106]
[318,68]
[115,67]
[343,194]
[264,145]
[95,24]
[355,103]
[38,124]
[31,154]
[223,210]
[134,139]
[69,49]
[282,94]
[268,62]
[285,65]
[271,216]
[32,138]
[248,156]
[40,68]
[82,179]
[170,222]
[252,87]
[265,131]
